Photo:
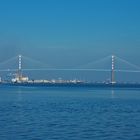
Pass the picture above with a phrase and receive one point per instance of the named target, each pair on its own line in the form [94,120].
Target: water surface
[69,114]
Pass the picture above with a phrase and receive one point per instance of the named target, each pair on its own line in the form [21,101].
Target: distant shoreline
[76,85]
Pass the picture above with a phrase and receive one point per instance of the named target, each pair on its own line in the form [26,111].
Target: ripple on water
[58,116]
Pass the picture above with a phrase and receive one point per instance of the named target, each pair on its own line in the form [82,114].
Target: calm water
[69,114]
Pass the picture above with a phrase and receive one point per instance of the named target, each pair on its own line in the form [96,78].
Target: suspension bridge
[115,64]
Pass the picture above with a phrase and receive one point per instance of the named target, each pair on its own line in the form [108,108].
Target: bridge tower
[19,78]
[113,70]
[20,67]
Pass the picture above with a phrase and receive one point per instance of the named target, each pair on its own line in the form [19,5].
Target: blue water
[69,114]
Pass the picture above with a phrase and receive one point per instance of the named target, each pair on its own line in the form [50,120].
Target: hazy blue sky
[70,32]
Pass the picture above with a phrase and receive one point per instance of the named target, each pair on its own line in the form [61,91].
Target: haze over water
[68,34]
[69,114]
